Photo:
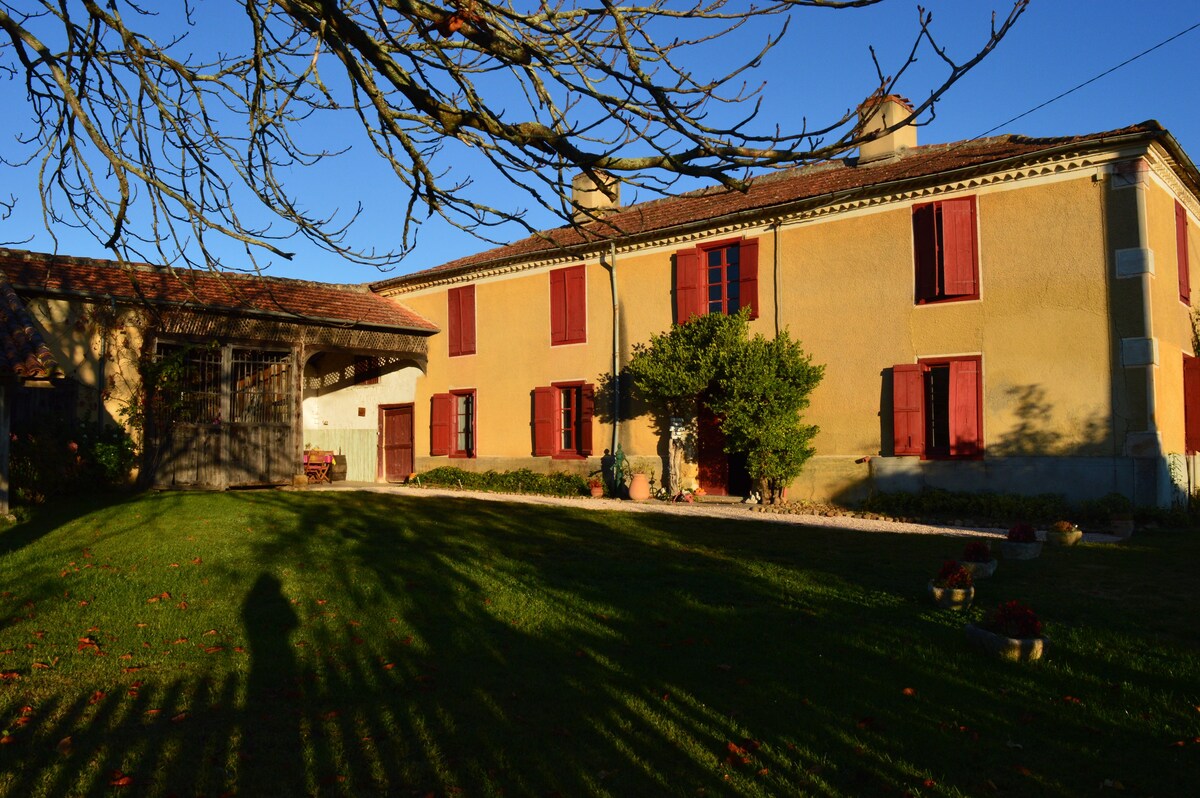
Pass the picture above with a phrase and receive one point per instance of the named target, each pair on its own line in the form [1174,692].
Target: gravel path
[708,509]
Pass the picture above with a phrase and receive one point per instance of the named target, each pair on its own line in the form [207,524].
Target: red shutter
[558,307]
[454,320]
[1191,404]
[587,407]
[441,411]
[543,421]
[689,298]
[467,320]
[965,437]
[959,256]
[748,268]
[1181,253]
[908,409]
[576,301]
[925,251]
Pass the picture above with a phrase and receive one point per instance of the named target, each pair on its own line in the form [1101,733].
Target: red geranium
[1013,619]
[954,576]
[1022,533]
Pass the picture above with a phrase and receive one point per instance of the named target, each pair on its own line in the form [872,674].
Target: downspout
[776,275]
[616,344]
[1143,243]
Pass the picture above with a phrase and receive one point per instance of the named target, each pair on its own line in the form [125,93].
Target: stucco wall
[1041,327]
[342,417]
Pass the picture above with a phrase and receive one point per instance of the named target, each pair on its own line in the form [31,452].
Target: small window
[937,408]
[188,390]
[562,420]
[452,424]
[261,387]
[461,320]
[568,306]
[721,277]
[946,260]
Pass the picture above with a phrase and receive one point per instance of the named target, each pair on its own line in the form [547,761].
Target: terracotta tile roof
[316,303]
[785,187]
[23,353]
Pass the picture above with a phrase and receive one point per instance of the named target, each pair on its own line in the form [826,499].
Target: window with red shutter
[721,277]
[461,320]
[568,306]
[562,419]
[441,409]
[1191,404]
[937,408]
[462,423]
[945,250]
[908,409]
[1181,253]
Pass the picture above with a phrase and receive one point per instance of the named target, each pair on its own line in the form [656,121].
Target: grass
[279,643]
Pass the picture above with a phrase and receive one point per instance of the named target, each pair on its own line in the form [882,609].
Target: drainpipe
[1143,242]
[775,229]
[616,343]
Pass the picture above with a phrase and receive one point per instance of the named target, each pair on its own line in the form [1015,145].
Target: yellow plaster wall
[847,295]
[75,331]
[513,356]
[1171,316]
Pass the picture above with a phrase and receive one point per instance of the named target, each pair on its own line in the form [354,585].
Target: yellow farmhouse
[1005,314]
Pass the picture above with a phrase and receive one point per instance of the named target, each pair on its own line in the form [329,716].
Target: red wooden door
[396,442]
[710,451]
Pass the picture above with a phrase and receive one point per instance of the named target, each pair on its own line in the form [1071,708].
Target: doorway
[721,474]
[395,442]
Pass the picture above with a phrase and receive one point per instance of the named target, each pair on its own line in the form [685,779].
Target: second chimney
[880,114]
[590,200]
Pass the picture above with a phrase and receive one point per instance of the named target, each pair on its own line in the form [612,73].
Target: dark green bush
[522,480]
[57,460]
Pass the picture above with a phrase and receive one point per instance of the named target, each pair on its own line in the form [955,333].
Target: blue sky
[822,69]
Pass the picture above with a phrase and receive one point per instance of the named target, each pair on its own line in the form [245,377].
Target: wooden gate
[220,417]
[395,442]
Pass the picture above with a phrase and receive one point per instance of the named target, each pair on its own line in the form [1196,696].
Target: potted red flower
[595,487]
[977,558]
[1063,533]
[1021,543]
[1011,631]
[952,588]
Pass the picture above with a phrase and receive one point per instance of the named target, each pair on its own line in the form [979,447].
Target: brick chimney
[590,200]
[879,114]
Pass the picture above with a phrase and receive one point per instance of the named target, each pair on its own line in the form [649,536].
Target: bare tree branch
[154,141]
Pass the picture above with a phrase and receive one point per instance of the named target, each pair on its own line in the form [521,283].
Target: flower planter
[1064,538]
[639,487]
[979,570]
[951,598]
[1014,550]
[597,491]
[1016,649]
[1122,524]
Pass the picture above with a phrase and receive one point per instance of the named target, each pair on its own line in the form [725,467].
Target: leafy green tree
[755,385]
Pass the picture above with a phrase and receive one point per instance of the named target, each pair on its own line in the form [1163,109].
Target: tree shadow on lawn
[626,656]
[397,645]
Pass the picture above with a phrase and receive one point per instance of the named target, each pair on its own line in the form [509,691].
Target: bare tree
[154,139]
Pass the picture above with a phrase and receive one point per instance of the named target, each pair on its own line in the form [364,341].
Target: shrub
[1022,533]
[58,459]
[559,483]
[1013,619]
[953,576]
[977,551]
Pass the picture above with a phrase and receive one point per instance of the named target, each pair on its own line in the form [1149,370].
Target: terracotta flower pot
[639,487]
[979,570]
[596,490]
[1064,538]
[951,598]
[1014,550]
[1017,649]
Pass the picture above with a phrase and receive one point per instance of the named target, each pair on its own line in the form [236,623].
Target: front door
[721,474]
[395,442]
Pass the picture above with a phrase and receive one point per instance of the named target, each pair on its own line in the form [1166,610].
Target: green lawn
[360,644]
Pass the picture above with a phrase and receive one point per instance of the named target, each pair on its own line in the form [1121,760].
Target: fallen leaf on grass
[64,746]
[210,632]
[45,666]
[174,565]
[153,712]
[183,605]
[213,649]
[119,779]
[1070,699]
[97,697]
[40,634]
[88,644]
[909,691]
[179,640]
[7,739]
[182,716]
